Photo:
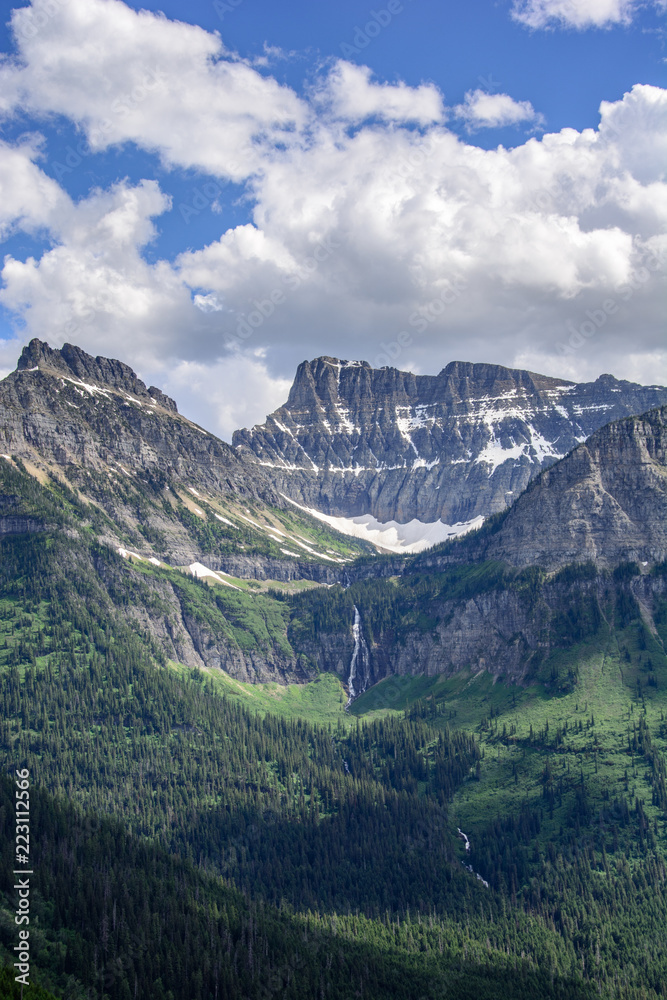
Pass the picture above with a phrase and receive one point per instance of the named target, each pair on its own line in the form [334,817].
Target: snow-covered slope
[415,536]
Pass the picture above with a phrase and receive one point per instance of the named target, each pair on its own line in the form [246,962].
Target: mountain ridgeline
[112,464]
[255,745]
[353,440]
[153,481]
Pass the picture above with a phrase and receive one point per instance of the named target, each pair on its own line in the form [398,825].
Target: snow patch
[415,536]
[260,527]
[87,386]
[128,553]
[201,572]
[225,521]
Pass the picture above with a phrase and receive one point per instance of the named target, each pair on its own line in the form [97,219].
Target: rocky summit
[605,503]
[352,440]
[158,484]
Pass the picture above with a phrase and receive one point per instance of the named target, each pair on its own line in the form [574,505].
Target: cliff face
[354,440]
[168,488]
[506,631]
[606,502]
[67,408]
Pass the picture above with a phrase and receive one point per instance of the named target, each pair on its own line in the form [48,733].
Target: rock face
[124,447]
[153,482]
[71,360]
[606,502]
[505,633]
[353,440]
[67,408]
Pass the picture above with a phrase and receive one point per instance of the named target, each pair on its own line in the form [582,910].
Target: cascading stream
[360,658]
[470,868]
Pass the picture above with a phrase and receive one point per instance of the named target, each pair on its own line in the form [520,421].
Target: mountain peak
[73,361]
[352,440]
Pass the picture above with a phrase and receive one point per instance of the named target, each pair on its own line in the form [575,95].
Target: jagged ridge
[354,440]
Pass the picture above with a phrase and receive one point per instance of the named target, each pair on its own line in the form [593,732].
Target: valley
[275,732]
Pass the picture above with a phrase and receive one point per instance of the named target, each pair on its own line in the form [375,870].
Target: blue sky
[407,183]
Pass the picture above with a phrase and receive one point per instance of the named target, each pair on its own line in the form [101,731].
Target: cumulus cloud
[126,75]
[93,287]
[483,110]
[578,14]
[30,200]
[383,241]
[349,93]
[230,389]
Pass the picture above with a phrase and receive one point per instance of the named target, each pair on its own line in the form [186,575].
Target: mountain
[292,839]
[158,484]
[354,441]
[605,502]
[533,581]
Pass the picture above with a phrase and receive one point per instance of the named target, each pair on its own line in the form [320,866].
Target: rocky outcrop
[66,408]
[354,440]
[504,631]
[605,502]
[282,570]
[20,525]
[71,360]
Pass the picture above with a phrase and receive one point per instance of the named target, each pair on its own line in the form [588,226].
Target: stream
[470,868]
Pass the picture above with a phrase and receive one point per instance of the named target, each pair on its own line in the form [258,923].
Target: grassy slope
[320,701]
[584,732]
[138,511]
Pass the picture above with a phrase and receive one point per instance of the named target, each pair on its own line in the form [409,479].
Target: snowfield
[415,536]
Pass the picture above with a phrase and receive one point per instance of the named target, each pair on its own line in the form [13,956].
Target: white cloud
[234,391]
[482,110]
[128,75]
[358,235]
[578,14]
[93,287]
[29,199]
[349,93]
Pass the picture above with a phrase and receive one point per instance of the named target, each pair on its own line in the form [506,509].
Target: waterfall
[465,837]
[360,658]
[469,868]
